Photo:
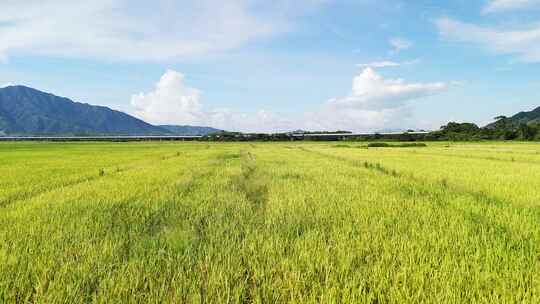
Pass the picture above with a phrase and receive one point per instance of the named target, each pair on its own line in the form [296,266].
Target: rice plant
[269,222]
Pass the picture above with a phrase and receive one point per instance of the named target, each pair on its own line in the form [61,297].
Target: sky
[281,65]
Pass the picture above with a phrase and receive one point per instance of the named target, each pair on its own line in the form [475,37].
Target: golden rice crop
[269,222]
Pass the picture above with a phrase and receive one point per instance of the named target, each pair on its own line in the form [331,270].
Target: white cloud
[371,91]
[375,103]
[495,6]
[122,30]
[333,118]
[259,121]
[400,44]
[386,64]
[379,64]
[523,43]
[5,85]
[171,102]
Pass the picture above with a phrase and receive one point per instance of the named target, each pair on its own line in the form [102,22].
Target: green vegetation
[269,222]
[524,126]
[501,130]
[396,145]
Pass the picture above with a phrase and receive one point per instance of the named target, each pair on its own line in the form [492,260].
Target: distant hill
[190,130]
[27,111]
[527,117]
[530,117]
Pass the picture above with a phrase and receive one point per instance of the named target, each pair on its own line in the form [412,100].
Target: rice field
[269,223]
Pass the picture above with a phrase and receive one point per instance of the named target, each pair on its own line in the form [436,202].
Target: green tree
[527,132]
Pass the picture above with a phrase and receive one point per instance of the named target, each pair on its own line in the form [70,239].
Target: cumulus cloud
[400,44]
[373,104]
[174,102]
[5,85]
[495,6]
[523,43]
[132,30]
[371,91]
[171,102]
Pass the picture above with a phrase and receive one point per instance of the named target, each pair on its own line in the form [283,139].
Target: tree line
[504,128]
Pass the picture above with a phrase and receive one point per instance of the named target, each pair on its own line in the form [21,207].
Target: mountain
[27,111]
[530,117]
[189,130]
[526,117]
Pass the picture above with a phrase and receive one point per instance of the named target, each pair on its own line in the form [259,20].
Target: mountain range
[27,111]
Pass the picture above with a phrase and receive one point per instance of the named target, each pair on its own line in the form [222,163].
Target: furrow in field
[509,148]
[533,158]
[512,182]
[378,167]
[73,181]
[291,222]
[470,156]
[440,190]
[482,210]
[403,229]
[252,183]
[102,236]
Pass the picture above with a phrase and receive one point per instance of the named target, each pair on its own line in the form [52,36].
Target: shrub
[403,145]
[378,145]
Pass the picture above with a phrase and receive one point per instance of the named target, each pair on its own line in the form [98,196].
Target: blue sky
[255,65]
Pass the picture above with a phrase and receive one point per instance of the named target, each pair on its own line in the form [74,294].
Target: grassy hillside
[291,222]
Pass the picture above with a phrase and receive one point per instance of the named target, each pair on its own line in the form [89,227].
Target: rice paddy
[269,222]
